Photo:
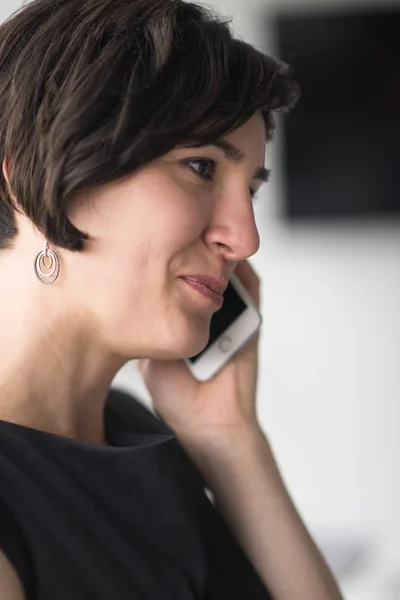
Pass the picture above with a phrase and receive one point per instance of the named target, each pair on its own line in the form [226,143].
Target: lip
[216,284]
[206,292]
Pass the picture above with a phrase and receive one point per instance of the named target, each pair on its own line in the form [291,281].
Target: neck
[54,373]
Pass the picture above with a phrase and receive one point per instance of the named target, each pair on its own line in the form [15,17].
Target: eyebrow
[233,154]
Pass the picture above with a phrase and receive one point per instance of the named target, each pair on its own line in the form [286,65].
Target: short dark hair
[90,90]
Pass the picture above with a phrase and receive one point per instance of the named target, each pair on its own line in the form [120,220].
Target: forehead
[251,136]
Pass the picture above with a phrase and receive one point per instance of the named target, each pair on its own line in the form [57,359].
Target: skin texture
[122,297]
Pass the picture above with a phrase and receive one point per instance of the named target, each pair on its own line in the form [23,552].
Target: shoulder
[11,587]
[124,410]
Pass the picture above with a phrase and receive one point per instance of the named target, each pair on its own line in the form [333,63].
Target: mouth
[204,291]
[216,284]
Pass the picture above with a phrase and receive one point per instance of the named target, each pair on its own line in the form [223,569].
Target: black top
[129,521]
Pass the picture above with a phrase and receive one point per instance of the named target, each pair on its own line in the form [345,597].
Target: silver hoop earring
[52,269]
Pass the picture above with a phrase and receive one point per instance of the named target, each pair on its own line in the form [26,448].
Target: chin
[182,351]
[186,341]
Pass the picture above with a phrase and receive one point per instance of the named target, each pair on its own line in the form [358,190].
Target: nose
[233,230]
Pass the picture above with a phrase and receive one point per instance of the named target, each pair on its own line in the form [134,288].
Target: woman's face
[178,215]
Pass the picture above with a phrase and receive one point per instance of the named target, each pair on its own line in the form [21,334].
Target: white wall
[329,385]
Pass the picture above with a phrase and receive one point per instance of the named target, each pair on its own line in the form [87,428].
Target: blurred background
[329,220]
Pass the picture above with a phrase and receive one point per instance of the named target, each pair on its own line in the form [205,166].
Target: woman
[121,128]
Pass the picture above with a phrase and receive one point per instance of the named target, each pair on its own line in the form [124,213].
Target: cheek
[140,228]
[171,216]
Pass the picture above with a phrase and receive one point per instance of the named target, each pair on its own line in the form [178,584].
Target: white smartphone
[231,327]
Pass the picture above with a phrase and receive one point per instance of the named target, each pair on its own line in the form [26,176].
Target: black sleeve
[13,545]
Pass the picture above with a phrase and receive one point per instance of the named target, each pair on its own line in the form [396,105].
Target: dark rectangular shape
[341,143]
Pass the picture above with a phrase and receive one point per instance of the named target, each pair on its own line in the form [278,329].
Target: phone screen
[232,307]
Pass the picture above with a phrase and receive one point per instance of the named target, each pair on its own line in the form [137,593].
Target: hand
[215,411]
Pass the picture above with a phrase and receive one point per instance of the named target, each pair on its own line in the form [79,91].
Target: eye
[209,166]
[206,164]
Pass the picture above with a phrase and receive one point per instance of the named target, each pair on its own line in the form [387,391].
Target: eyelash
[214,165]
